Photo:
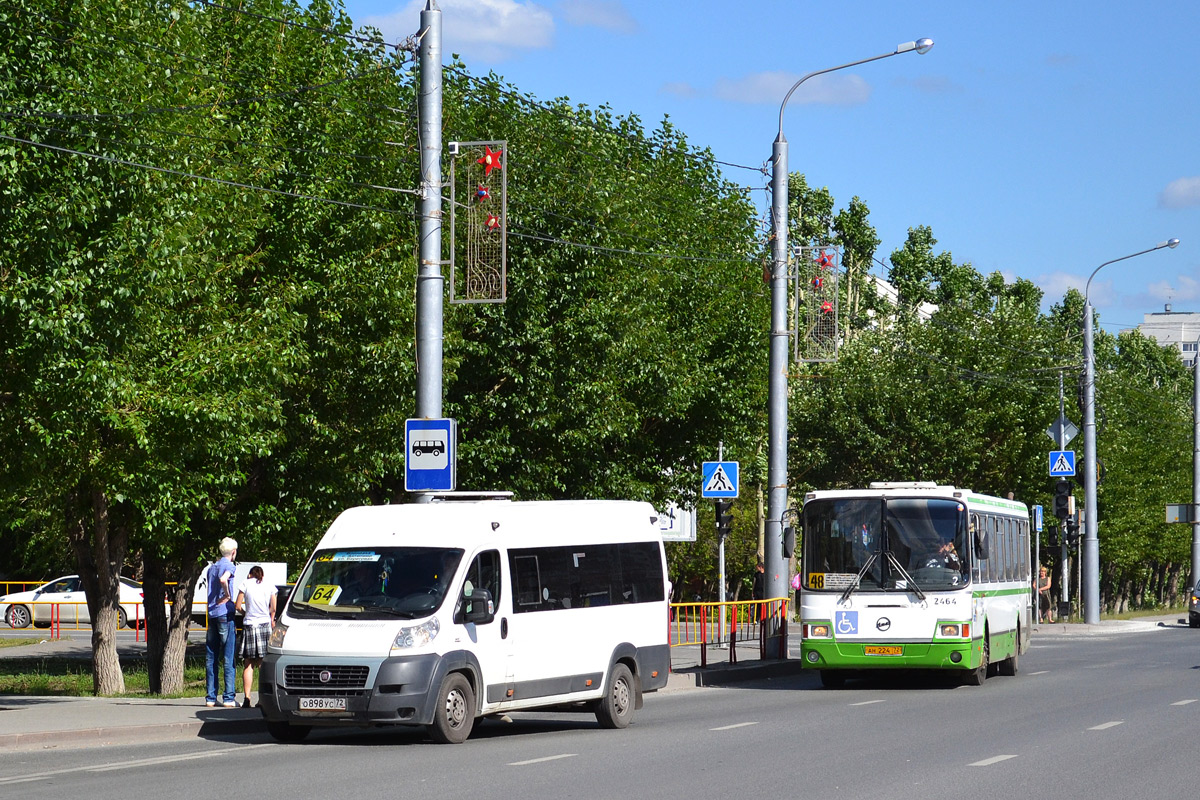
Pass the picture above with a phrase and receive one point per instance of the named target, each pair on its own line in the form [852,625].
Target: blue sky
[1039,139]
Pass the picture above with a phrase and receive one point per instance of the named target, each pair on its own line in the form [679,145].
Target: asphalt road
[1087,717]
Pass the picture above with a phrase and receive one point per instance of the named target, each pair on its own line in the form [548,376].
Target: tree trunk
[99,542]
[167,627]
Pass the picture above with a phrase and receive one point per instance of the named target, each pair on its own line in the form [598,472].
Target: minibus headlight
[277,634]
[417,635]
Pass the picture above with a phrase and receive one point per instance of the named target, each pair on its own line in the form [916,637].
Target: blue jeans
[218,643]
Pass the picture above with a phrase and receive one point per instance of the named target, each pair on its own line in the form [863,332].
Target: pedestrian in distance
[222,628]
[760,581]
[1043,589]
[256,599]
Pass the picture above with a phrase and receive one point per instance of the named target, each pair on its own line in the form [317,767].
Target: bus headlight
[816,630]
[954,630]
[277,634]
[417,635]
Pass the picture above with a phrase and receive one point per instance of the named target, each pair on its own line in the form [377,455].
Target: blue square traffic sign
[430,454]
[720,479]
[1062,463]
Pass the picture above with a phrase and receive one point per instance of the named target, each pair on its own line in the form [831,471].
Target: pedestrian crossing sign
[1062,463]
[720,479]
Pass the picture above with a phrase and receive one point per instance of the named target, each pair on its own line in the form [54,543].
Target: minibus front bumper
[319,690]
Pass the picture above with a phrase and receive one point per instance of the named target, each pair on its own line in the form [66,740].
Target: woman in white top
[257,600]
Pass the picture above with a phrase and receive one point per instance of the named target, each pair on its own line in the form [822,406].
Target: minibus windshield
[375,583]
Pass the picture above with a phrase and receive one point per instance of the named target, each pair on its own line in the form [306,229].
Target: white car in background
[21,609]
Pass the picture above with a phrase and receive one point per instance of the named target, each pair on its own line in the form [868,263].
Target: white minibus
[438,614]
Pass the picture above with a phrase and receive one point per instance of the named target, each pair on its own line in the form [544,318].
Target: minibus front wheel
[454,714]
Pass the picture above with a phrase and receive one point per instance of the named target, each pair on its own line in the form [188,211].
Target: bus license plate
[322,704]
[883,650]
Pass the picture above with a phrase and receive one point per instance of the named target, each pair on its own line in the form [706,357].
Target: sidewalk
[48,722]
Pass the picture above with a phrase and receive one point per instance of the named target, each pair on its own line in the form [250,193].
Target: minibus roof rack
[459,497]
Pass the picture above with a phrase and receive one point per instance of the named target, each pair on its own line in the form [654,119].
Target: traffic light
[1063,499]
[724,516]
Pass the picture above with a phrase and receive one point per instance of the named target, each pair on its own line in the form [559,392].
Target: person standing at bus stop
[256,598]
[222,627]
[1045,607]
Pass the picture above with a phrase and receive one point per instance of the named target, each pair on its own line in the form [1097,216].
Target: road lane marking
[1184,702]
[731,727]
[1106,725]
[987,762]
[149,762]
[868,702]
[1039,672]
[540,760]
[37,776]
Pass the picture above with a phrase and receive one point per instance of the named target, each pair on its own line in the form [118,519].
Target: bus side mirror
[789,541]
[478,606]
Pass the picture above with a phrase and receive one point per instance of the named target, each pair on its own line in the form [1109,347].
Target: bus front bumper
[832,654]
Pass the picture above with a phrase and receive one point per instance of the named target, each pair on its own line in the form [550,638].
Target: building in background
[1177,329]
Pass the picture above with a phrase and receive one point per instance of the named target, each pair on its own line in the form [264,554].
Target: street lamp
[777,583]
[1091,544]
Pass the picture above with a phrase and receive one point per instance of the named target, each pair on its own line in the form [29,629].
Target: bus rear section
[913,576]
[440,614]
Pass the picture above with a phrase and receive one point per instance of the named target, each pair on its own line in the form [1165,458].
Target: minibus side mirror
[789,541]
[478,606]
[282,594]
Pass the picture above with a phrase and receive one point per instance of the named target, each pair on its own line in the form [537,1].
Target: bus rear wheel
[615,709]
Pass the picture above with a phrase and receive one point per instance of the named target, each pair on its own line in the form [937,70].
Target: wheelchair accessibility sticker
[845,622]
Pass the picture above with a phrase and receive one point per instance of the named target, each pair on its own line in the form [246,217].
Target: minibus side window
[484,574]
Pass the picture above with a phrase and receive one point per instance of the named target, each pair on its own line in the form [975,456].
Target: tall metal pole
[775,565]
[430,281]
[1090,594]
[1196,469]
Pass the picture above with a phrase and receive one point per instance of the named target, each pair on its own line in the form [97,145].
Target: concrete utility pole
[1090,549]
[430,281]
[776,584]
[1196,469]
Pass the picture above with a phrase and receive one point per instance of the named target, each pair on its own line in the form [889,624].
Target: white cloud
[484,30]
[1056,284]
[609,15]
[1184,287]
[1181,193]
[679,89]
[770,87]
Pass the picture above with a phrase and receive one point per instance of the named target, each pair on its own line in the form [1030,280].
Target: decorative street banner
[478,222]
[815,306]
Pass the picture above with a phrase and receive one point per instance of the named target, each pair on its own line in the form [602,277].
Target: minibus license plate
[322,704]
[883,650]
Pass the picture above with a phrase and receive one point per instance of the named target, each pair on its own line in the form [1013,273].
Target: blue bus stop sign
[430,453]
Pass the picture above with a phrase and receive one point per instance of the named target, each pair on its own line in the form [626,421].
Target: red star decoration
[825,260]
[493,222]
[827,307]
[817,282]
[482,194]
[490,160]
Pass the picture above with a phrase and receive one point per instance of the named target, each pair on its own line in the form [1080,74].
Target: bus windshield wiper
[895,562]
[858,578]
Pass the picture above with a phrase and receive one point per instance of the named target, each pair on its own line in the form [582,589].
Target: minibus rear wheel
[615,709]
[454,715]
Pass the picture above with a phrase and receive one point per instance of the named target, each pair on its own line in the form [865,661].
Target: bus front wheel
[833,679]
[977,676]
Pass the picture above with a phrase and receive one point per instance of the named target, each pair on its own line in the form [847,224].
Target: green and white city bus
[914,576]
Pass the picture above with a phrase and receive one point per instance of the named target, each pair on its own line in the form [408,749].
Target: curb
[125,734]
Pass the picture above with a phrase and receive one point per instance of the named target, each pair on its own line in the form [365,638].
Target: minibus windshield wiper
[858,578]
[391,612]
[320,610]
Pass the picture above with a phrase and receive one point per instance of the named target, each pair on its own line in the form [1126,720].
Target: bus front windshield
[375,583]
[885,544]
